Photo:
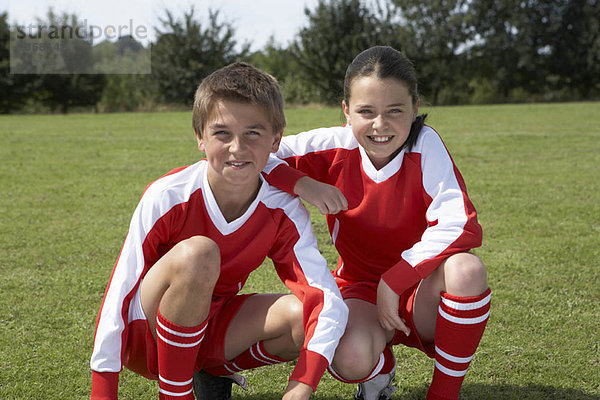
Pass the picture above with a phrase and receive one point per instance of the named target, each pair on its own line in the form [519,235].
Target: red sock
[385,365]
[256,356]
[177,348]
[459,328]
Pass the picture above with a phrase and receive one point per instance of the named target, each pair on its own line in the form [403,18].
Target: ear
[416,111]
[201,146]
[346,110]
[276,141]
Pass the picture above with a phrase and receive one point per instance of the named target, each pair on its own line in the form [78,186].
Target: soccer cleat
[209,387]
[379,388]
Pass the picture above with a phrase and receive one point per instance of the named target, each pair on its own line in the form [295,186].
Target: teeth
[237,164]
[381,139]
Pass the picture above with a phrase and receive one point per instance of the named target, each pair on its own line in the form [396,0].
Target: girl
[403,225]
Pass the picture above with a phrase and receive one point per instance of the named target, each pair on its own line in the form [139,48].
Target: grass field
[70,184]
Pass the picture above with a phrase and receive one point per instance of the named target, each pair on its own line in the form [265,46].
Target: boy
[171,306]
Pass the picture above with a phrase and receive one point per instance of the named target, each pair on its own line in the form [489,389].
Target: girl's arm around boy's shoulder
[302,164]
[305,272]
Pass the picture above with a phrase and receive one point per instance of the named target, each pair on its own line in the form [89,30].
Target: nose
[237,145]
[379,123]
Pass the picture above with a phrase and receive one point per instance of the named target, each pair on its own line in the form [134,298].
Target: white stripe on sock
[177,344]
[266,358]
[177,333]
[467,306]
[450,372]
[458,360]
[174,393]
[229,369]
[463,321]
[175,383]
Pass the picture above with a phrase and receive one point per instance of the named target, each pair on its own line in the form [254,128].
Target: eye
[365,111]
[253,133]
[395,111]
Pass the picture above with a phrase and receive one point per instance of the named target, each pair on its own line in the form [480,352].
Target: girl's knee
[353,361]
[465,275]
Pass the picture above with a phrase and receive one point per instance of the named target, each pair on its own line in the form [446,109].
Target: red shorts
[140,352]
[367,291]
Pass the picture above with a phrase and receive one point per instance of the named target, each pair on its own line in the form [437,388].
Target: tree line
[465,52]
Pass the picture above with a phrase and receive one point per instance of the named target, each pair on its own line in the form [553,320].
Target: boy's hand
[327,198]
[387,308]
[297,391]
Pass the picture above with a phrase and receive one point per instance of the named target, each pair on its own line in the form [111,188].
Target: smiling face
[380,112]
[237,139]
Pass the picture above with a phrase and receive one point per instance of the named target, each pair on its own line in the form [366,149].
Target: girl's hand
[297,391]
[327,198]
[387,308]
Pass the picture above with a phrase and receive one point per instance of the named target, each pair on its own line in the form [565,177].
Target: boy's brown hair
[243,83]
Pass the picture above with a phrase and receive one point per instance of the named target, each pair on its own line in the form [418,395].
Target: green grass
[70,184]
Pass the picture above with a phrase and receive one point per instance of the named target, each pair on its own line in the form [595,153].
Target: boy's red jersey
[276,225]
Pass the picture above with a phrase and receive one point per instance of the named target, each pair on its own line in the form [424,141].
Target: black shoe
[210,387]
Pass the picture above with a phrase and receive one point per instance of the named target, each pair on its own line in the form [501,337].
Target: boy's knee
[198,260]
[465,273]
[295,318]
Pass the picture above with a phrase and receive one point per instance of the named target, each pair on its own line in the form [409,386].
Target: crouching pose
[172,306]
[403,225]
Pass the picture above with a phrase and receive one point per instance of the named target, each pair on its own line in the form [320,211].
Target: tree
[504,49]
[59,52]
[337,31]
[129,85]
[281,63]
[573,45]
[15,89]
[436,34]
[186,52]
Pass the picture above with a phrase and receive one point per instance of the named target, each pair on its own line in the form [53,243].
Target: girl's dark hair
[387,62]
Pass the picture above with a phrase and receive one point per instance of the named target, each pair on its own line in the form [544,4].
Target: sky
[254,20]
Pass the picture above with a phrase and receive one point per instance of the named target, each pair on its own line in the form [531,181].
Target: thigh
[261,317]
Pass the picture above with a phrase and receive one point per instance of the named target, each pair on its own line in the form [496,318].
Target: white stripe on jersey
[106,356]
[322,139]
[448,204]
[334,314]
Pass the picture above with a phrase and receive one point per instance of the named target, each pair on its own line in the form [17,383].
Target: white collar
[215,213]
[384,173]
